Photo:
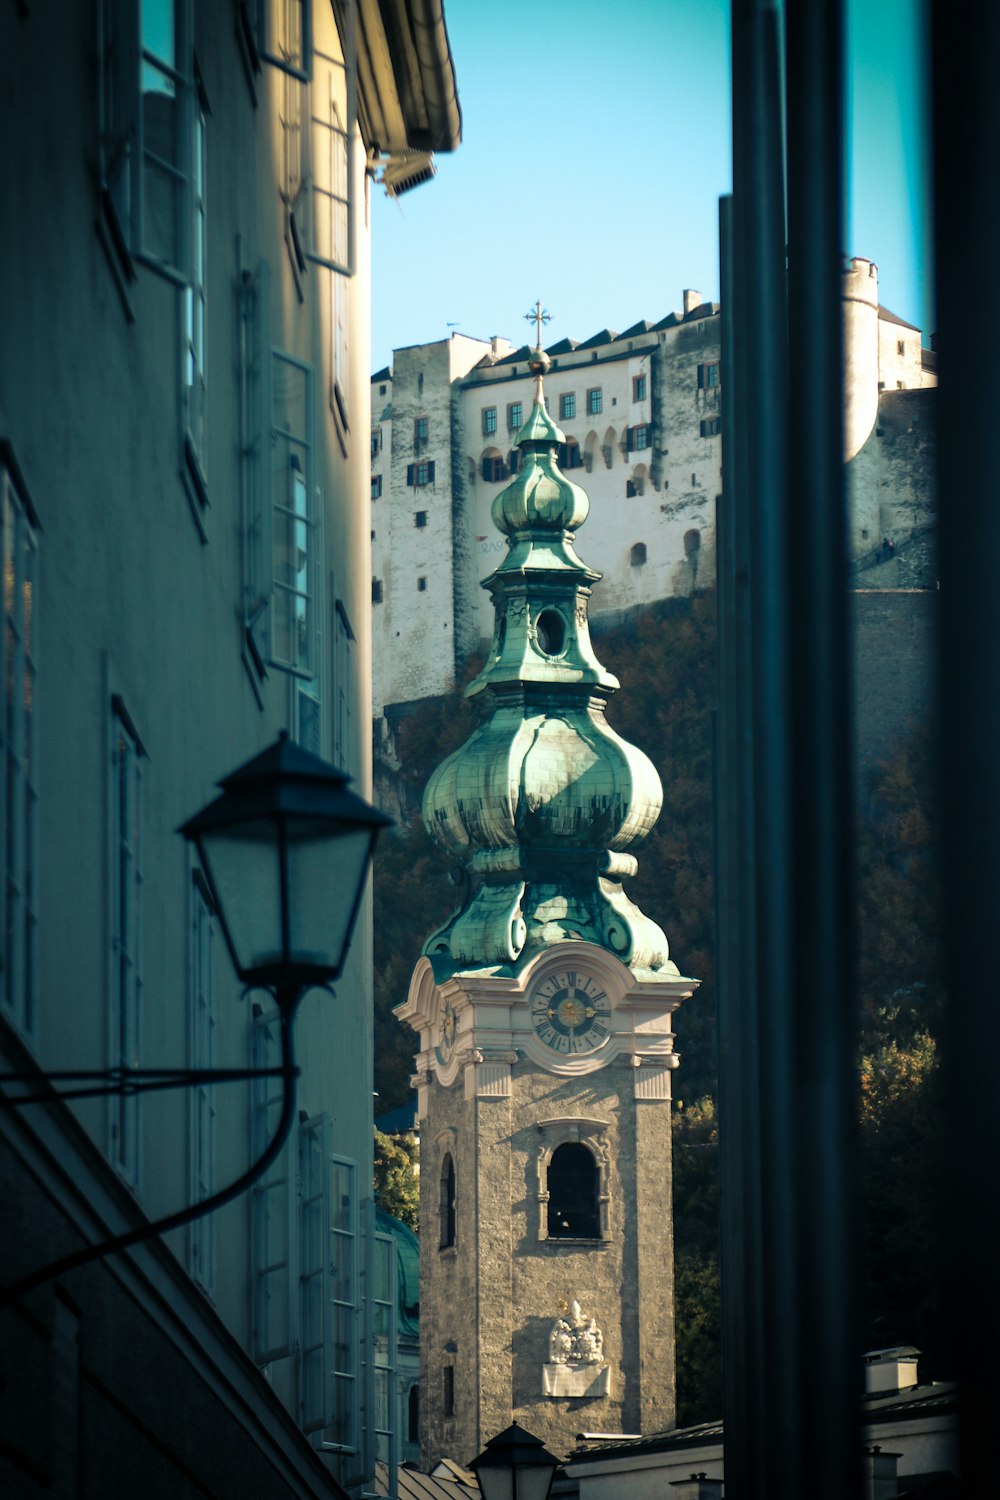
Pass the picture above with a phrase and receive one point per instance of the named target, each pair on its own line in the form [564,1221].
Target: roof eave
[407,91]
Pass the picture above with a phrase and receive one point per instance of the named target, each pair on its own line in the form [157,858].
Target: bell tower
[543,1007]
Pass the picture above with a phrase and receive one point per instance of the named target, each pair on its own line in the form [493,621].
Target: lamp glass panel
[326,865]
[242,864]
[497,1484]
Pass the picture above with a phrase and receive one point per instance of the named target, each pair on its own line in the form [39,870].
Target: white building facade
[184,443]
[642,414]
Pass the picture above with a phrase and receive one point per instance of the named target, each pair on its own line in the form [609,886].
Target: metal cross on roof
[538,316]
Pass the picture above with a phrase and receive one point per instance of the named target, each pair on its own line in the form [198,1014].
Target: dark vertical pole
[966,109]
[754,1098]
[825,1012]
[736,987]
[789,1386]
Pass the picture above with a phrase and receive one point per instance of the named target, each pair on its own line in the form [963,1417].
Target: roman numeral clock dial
[570,1013]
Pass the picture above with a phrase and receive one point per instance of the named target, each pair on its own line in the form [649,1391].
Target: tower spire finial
[538,315]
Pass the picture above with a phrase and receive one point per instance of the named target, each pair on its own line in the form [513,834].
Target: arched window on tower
[573,1188]
[447,1203]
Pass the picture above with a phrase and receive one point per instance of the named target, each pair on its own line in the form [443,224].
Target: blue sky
[596,146]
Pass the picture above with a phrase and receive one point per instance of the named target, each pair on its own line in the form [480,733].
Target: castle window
[637,438]
[493,468]
[489,420]
[570,455]
[513,460]
[630,489]
[595,401]
[420,518]
[381,390]
[638,555]
[376,486]
[567,405]
[708,376]
[711,427]
[448,1391]
[573,1188]
[515,416]
[376,591]
[446,1206]
[900,346]
[420,474]
[420,430]
[638,387]
[421,585]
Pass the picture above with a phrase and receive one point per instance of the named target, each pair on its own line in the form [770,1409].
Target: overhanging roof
[407,92]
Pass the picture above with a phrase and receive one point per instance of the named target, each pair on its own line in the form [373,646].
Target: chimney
[879,1478]
[890,1370]
[700,1487]
[692,300]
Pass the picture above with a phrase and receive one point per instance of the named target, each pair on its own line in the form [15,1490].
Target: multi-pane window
[637,438]
[567,405]
[376,486]
[595,401]
[376,441]
[638,387]
[343,640]
[332,165]
[711,427]
[420,518]
[420,430]
[145,102]
[17,786]
[126,934]
[421,473]
[515,416]
[489,420]
[294,616]
[383,1314]
[274,1226]
[315,1383]
[201,1001]
[493,468]
[342,1429]
[708,376]
[193,380]
[569,454]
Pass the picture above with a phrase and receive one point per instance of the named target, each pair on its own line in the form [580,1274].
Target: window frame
[124,157]
[201,1049]
[515,423]
[640,388]
[309,516]
[567,406]
[125,989]
[595,401]
[349,1378]
[594,1135]
[711,427]
[710,375]
[273,1201]
[489,421]
[18,826]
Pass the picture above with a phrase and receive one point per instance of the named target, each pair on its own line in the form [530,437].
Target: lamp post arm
[290,1073]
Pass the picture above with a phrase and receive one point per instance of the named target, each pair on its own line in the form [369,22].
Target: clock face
[570,1013]
[448,1028]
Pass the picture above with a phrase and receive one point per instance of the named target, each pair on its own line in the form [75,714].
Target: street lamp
[515,1466]
[285,850]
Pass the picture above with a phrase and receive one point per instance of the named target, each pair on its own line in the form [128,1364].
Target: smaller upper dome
[539,495]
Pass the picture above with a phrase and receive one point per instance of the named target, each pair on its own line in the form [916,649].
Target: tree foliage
[396,1181]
